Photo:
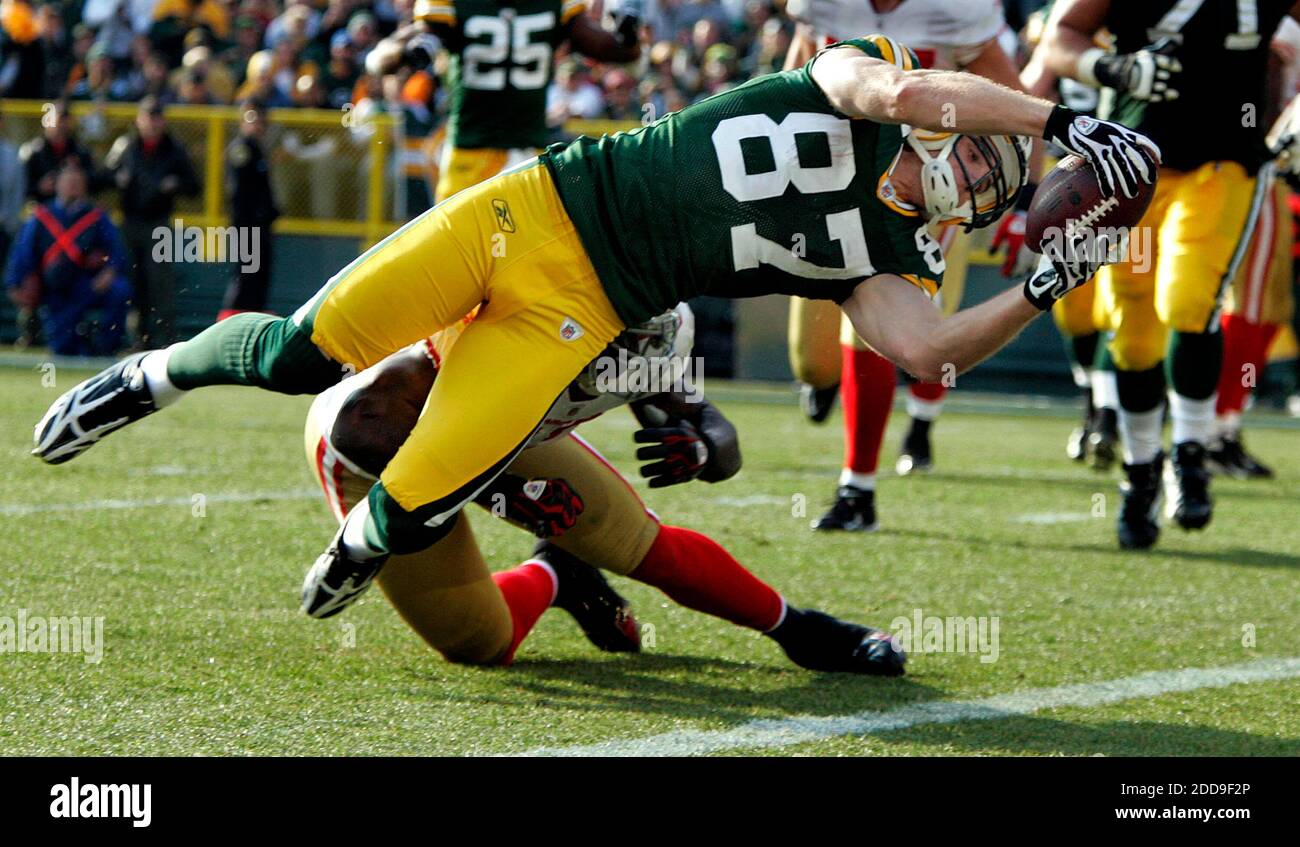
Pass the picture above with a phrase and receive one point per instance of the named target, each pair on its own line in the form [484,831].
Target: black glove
[627,20]
[544,507]
[1146,75]
[680,449]
[1121,158]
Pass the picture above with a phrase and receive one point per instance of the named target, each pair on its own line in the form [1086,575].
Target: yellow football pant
[1180,252]
[508,245]
[463,167]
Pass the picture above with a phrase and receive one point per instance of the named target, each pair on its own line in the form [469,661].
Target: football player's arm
[803,46]
[897,319]
[600,44]
[861,86]
[415,43]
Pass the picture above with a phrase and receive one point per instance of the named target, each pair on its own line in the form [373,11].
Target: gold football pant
[446,592]
[509,246]
[463,167]
[1180,253]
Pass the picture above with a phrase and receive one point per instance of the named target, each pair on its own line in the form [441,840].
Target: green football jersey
[763,189]
[502,62]
[1223,46]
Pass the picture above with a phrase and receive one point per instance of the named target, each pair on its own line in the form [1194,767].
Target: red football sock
[696,572]
[529,590]
[930,392]
[1244,343]
[867,390]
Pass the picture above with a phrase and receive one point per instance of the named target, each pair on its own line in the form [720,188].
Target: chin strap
[938,180]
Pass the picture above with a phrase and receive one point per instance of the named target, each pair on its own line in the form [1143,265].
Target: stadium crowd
[312,54]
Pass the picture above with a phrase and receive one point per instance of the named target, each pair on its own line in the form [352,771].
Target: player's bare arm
[861,86]
[899,321]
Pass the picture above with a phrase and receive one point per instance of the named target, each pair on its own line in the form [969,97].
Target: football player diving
[1163,315]
[850,157]
[583,509]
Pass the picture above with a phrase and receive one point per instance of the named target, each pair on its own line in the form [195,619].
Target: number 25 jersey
[763,189]
[502,61]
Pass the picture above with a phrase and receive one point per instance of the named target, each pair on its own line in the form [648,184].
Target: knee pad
[1187,310]
[1138,352]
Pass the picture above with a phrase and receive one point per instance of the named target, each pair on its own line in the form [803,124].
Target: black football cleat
[1139,515]
[1228,457]
[602,613]
[854,510]
[1103,440]
[336,580]
[817,403]
[916,456]
[819,642]
[1188,484]
[91,410]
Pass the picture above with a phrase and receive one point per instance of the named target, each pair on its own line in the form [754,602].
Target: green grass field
[205,651]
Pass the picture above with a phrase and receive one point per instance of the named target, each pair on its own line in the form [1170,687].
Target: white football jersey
[943,33]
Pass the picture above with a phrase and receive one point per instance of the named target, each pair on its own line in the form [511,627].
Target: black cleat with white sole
[336,580]
[1139,515]
[817,403]
[1188,483]
[582,591]
[854,510]
[91,410]
[819,642]
[916,456]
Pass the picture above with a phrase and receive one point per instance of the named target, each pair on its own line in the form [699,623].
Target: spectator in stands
[248,40]
[69,260]
[56,52]
[42,157]
[151,170]
[620,96]
[252,208]
[259,82]
[176,19]
[339,76]
[719,71]
[100,84]
[13,188]
[217,81]
[572,94]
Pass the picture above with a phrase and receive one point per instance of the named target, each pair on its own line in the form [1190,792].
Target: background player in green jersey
[502,61]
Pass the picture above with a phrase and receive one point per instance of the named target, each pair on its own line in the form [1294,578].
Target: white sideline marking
[800,729]
[151,502]
[1048,518]
[752,500]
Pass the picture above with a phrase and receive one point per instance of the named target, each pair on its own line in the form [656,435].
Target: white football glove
[1121,158]
[1146,75]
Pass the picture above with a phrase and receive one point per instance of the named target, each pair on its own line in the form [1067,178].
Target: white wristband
[1084,70]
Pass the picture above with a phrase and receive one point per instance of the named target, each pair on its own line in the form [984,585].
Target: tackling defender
[564,252]
[562,490]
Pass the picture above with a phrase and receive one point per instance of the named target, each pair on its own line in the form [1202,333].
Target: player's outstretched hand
[1064,267]
[677,453]
[1121,158]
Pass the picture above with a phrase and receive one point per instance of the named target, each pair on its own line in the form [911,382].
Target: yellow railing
[333,175]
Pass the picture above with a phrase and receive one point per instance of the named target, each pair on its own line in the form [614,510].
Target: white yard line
[801,729]
[152,502]
[1048,518]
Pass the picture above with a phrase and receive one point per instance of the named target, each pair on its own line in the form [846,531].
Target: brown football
[1070,196]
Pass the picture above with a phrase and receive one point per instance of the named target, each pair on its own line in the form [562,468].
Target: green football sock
[253,349]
